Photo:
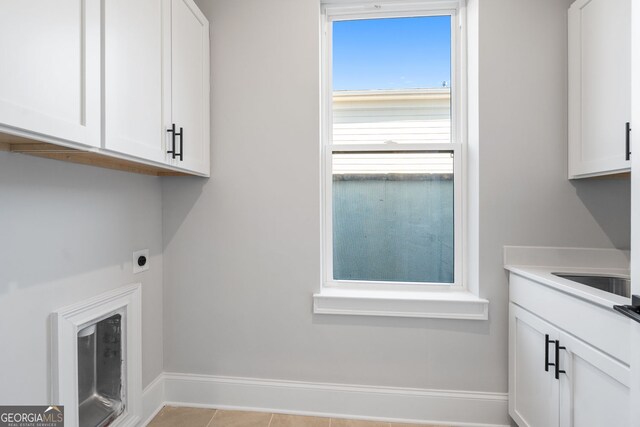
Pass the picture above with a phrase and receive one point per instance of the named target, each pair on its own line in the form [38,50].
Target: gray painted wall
[242,250]
[67,232]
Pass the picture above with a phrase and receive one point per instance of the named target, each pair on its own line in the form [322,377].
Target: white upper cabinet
[107,80]
[187,88]
[133,78]
[50,70]
[599,87]
[157,79]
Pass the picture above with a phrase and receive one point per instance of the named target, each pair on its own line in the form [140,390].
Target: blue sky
[394,53]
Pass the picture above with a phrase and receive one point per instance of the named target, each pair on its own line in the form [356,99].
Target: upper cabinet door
[188,99]
[133,55]
[50,70]
[599,86]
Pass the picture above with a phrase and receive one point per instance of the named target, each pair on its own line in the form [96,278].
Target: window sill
[435,305]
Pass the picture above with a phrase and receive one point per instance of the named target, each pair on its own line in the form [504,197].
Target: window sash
[333,13]
[329,281]
[389,10]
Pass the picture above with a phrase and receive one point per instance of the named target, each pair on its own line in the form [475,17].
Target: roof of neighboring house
[396,117]
[391,94]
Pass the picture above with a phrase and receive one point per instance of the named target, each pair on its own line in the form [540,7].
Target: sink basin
[613,284]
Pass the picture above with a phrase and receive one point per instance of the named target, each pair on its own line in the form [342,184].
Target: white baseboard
[153,399]
[458,408]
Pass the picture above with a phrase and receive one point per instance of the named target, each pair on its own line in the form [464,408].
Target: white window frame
[369,11]
[399,299]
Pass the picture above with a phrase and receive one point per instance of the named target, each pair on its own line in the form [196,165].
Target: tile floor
[171,416]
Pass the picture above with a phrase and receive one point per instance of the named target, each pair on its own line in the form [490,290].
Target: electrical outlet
[140,261]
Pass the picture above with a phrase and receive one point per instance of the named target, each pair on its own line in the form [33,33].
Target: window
[393,149]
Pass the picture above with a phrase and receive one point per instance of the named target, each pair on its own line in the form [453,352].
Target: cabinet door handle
[557,364]
[628,141]
[547,341]
[173,140]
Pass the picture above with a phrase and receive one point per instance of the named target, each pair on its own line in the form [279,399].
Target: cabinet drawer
[601,327]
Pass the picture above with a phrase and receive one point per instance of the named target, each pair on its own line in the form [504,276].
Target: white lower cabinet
[594,390]
[556,379]
[533,389]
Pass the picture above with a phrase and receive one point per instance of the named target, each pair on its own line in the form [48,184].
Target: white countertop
[522,261]
[544,276]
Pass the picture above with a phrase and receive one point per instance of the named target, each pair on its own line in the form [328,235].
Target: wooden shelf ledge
[20,145]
